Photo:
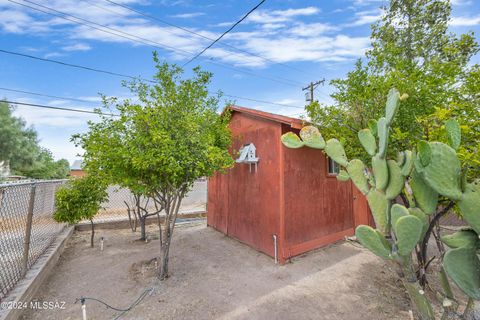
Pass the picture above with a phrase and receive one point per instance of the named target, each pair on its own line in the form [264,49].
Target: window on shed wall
[333,167]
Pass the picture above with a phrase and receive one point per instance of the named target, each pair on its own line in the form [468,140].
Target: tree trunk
[143,233]
[164,262]
[472,312]
[93,233]
[170,220]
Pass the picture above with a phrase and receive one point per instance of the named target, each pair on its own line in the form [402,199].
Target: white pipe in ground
[275,248]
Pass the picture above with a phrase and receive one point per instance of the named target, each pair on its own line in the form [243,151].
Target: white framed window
[333,167]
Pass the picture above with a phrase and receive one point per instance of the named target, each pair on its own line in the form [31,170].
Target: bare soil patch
[215,277]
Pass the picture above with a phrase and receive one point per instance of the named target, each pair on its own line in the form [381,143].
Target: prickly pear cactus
[422,177]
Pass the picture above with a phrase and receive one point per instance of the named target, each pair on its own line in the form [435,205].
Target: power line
[126,76]
[115,32]
[263,101]
[80,100]
[57,108]
[44,95]
[223,34]
[125,35]
[198,34]
[73,65]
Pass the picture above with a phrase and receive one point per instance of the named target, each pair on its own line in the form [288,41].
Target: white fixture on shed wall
[248,155]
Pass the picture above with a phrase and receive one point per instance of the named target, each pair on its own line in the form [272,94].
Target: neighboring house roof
[292,122]
[77,165]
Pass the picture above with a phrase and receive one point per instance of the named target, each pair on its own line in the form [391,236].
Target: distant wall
[77,173]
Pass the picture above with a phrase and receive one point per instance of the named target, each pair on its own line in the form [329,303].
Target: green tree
[20,151]
[162,143]
[18,143]
[80,199]
[412,50]
[45,167]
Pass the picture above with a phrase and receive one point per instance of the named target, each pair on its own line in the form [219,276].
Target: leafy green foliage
[163,141]
[45,167]
[80,199]
[413,50]
[20,151]
[170,138]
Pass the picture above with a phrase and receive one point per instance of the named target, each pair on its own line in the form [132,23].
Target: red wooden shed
[291,202]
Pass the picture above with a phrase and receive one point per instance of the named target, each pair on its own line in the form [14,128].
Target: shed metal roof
[292,122]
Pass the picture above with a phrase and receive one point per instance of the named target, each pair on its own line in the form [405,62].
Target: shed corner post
[282,245]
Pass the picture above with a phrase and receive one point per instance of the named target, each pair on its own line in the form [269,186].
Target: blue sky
[299,42]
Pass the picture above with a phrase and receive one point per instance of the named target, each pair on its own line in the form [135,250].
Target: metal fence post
[28,231]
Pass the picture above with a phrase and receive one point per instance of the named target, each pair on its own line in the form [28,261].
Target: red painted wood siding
[217,202]
[291,194]
[251,199]
[316,204]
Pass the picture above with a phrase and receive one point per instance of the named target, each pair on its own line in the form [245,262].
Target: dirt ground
[215,277]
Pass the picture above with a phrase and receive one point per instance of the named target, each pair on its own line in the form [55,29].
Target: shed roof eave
[292,122]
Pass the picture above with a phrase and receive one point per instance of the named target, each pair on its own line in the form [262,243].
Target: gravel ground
[215,277]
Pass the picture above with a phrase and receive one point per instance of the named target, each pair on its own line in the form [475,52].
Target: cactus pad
[393,101]
[454,133]
[382,129]
[417,212]
[335,151]
[373,241]
[469,205]
[408,231]
[408,164]
[343,176]
[463,267]
[291,140]
[443,170]
[380,171]
[379,205]
[368,142]
[397,212]
[356,170]
[401,158]
[424,153]
[312,137]
[426,197]
[396,181]
[462,239]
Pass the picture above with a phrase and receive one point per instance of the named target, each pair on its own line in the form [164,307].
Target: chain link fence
[27,228]
[121,200]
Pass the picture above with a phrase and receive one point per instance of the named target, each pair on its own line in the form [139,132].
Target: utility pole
[311,87]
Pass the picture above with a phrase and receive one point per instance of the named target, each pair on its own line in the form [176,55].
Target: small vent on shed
[248,155]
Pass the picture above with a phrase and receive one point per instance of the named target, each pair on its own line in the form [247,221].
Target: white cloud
[465,21]
[224,24]
[77,47]
[367,2]
[53,55]
[461,2]
[188,15]
[311,29]
[276,16]
[365,17]
[279,35]
[51,117]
